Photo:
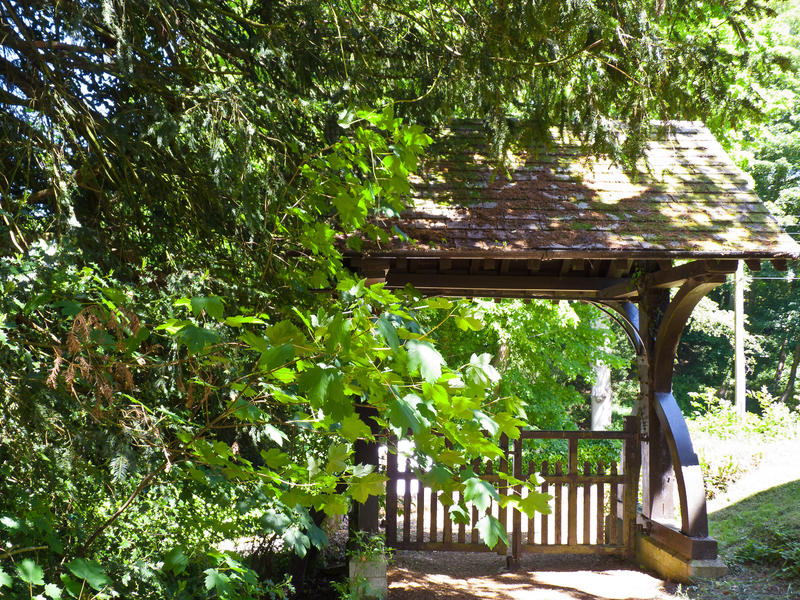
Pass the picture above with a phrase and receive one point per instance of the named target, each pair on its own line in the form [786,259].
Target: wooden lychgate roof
[581,221]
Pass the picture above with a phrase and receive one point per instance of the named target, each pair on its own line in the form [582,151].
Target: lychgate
[646,244]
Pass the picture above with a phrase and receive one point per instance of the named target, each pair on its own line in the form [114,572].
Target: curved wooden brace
[671,328]
[626,315]
[689,477]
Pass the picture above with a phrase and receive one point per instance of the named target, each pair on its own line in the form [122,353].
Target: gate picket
[545,516]
[600,503]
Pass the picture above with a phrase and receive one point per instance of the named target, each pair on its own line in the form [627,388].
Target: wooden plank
[391,496]
[545,535]
[474,537]
[407,508]
[587,505]
[447,526]
[572,494]
[557,516]
[567,549]
[420,511]
[600,503]
[531,520]
[613,533]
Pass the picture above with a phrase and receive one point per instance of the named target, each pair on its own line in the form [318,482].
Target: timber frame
[636,293]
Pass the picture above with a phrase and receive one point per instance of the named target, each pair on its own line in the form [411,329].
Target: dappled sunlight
[460,576]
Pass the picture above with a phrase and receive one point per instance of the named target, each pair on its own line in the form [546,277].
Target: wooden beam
[491,283]
[619,267]
[533,264]
[624,289]
[677,276]
[779,264]
[754,264]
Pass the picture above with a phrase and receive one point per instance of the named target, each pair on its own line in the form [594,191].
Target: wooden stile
[613,533]
[447,529]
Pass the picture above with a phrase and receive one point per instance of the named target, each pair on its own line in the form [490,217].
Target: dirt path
[463,576]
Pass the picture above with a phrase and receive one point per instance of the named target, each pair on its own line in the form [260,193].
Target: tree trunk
[788,393]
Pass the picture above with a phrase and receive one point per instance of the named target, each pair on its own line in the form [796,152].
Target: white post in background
[738,308]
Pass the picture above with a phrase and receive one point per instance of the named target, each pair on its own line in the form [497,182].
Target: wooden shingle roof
[687,199]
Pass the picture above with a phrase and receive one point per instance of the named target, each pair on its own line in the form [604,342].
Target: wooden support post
[657,500]
[364,515]
[391,497]
[631,465]
[503,514]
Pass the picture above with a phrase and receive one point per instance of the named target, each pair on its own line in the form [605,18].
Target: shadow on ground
[460,576]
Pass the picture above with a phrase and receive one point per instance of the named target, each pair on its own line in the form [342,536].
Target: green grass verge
[763,528]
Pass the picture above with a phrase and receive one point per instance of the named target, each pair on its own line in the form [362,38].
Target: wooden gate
[593,506]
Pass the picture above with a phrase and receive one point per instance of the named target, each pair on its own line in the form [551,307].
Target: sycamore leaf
[211,304]
[239,320]
[491,531]
[196,338]
[296,540]
[335,505]
[459,514]
[5,579]
[30,572]
[337,458]
[403,414]
[423,356]
[388,332]
[175,560]
[274,458]
[219,581]
[535,502]
[371,484]
[354,428]
[89,570]
[51,590]
[480,370]
[480,493]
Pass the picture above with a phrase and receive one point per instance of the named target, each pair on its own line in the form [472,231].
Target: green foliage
[779,550]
